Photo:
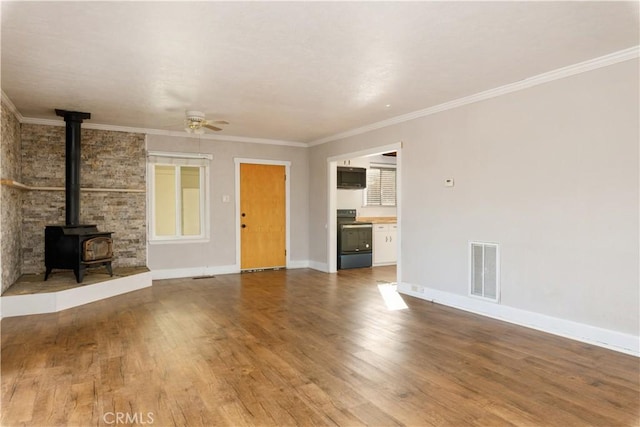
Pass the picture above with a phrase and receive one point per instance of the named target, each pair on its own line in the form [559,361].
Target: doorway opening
[385,217]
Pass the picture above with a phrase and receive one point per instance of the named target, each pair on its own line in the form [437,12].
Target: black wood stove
[74,246]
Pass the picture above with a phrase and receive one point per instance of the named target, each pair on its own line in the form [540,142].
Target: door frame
[287,166]
[332,228]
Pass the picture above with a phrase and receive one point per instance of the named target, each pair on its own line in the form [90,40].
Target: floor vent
[484,271]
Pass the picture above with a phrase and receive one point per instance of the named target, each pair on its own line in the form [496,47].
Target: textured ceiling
[289,71]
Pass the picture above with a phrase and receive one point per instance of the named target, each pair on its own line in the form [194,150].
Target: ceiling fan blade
[212,127]
[220,122]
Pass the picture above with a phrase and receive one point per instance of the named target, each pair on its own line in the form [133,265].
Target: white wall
[550,172]
[219,254]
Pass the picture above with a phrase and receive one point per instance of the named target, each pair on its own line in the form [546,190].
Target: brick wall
[10,200]
[109,160]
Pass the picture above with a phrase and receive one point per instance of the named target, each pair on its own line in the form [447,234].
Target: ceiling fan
[195,122]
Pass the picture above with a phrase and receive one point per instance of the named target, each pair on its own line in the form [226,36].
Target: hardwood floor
[300,347]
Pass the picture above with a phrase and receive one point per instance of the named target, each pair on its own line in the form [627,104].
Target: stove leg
[47,273]
[79,272]
[108,265]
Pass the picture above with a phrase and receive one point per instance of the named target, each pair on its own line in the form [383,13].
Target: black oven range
[355,240]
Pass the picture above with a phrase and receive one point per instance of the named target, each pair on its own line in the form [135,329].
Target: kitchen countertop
[378,219]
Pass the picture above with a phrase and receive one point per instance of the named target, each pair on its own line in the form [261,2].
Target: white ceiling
[288,71]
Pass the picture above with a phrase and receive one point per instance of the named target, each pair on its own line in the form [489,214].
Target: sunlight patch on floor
[391,297]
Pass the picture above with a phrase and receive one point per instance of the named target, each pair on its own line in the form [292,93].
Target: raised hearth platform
[32,295]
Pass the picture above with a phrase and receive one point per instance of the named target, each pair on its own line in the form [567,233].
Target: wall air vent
[484,271]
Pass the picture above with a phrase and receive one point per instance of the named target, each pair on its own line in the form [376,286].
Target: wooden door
[262,216]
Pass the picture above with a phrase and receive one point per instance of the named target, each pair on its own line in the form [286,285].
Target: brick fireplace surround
[113,195]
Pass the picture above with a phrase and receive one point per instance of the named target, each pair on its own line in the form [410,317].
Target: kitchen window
[381,186]
[178,201]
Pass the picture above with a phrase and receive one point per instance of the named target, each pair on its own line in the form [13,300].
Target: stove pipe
[73,120]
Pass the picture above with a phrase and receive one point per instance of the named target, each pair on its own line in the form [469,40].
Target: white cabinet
[385,249]
[362,162]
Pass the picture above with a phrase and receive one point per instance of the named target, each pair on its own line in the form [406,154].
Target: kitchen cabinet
[359,162]
[385,249]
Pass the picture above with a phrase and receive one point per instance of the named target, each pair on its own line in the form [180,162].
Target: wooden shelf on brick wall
[19,185]
[14,184]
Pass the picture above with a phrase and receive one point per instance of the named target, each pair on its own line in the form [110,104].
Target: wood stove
[75,246]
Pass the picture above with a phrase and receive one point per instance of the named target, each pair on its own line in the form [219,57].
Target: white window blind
[381,186]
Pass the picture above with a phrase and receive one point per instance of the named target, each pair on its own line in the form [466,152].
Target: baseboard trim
[298,264]
[613,340]
[320,266]
[52,302]
[180,273]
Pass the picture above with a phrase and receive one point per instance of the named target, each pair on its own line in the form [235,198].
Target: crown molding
[148,131]
[560,73]
[6,101]
[228,138]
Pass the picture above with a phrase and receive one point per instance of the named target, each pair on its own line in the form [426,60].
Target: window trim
[202,161]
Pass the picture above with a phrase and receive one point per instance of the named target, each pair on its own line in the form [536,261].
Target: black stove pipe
[73,120]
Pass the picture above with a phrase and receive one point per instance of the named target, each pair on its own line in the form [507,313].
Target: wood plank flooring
[299,347]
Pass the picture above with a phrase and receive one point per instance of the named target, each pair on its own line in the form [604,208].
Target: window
[381,186]
[177,196]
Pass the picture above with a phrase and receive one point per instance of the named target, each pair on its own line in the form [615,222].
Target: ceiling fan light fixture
[195,116]
[193,128]
[196,123]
